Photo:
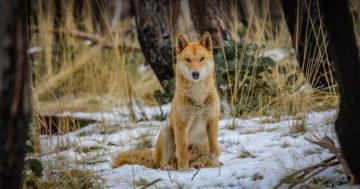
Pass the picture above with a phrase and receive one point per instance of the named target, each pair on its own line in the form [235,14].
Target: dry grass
[70,74]
[60,174]
[246,154]
[298,127]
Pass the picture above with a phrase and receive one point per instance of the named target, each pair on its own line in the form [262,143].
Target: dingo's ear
[205,41]
[181,42]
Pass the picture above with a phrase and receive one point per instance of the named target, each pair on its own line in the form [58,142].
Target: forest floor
[256,152]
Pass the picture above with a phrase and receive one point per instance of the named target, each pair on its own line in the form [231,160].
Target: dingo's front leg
[215,150]
[181,152]
[165,148]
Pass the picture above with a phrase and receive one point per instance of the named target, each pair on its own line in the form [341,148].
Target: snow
[276,54]
[33,50]
[277,152]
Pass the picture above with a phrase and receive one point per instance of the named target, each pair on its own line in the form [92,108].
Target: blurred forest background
[85,55]
[92,56]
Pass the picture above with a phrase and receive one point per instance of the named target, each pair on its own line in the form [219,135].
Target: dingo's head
[194,59]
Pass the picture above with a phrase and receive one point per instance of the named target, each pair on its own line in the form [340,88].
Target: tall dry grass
[70,73]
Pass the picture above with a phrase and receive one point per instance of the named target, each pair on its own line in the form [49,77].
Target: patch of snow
[32,50]
[276,152]
[276,54]
[143,68]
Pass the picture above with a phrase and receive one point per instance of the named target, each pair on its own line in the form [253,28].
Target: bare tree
[14,92]
[345,54]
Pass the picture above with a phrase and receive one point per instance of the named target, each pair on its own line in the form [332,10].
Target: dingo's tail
[140,157]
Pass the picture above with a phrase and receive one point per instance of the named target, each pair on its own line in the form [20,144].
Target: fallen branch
[51,124]
[311,174]
[303,175]
[326,142]
[151,183]
[94,38]
[306,173]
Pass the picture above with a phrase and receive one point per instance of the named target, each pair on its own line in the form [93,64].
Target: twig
[169,174]
[308,172]
[151,183]
[326,142]
[309,175]
[330,164]
[193,177]
[324,162]
[220,169]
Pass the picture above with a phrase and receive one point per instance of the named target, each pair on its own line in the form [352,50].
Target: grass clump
[87,149]
[268,120]
[145,142]
[141,182]
[285,145]
[144,139]
[298,127]
[232,125]
[257,176]
[159,117]
[65,178]
[107,130]
[96,159]
[246,154]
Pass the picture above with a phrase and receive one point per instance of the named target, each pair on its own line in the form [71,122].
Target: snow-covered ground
[256,152]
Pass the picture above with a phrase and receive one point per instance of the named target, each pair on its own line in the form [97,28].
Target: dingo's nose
[195,74]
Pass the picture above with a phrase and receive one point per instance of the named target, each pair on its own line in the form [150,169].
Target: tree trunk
[14,92]
[154,23]
[345,54]
[309,41]
[205,16]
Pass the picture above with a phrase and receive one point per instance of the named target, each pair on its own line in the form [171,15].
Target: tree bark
[345,54]
[154,22]
[14,92]
[205,16]
[303,19]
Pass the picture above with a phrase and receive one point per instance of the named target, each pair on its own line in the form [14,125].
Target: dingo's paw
[168,167]
[213,161]
[197,165]
[183,165]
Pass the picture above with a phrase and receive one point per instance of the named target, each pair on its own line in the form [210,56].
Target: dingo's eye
[202,58]
[187,59]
